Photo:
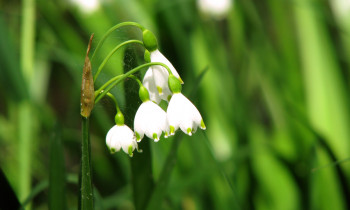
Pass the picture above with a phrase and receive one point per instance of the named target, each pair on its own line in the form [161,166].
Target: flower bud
[87,99]
[149,40]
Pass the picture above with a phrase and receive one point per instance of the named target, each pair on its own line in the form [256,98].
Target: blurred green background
[270,78]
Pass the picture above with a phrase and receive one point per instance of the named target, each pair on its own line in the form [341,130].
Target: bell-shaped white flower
[181,113]
[121,137]
[150,120]
[159,87]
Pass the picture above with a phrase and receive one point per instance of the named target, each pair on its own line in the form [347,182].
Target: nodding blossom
[159,88]
[181,113]
[150,119]
[121,137]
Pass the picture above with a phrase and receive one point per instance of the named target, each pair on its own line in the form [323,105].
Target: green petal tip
[189,131]
[172,130]
[138,137]
[203,125]
[130,150]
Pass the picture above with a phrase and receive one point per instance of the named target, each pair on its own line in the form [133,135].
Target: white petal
[181,113]
[138,125]
[151,120]
[110,139]
[148,82]
[157,56]
[161,76]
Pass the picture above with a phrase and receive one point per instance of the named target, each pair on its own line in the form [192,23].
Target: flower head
[150,120]
[121,137]
[181,113]
[158,88]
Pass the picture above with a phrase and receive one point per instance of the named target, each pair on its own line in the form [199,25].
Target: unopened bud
[149,40]
[87,86]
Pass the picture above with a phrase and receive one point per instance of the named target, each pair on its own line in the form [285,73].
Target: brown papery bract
[87,86]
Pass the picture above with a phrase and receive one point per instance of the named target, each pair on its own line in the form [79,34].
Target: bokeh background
[270,78]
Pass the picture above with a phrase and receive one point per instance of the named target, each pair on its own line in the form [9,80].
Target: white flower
[160,76]
[216,8]
[121,137]
[181,113]
[150,120]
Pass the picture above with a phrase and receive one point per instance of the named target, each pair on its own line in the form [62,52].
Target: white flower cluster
[150,119]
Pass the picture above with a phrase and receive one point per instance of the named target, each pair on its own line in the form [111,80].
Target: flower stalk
[87,103]
[86,201]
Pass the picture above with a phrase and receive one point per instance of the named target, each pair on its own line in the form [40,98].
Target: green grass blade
[57,191]
[11,77]
[25,127]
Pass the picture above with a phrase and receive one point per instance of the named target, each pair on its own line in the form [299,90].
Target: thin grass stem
[86,198]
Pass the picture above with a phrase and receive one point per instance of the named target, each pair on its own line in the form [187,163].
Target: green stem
[136,79]
[101,89]
[27,38]
[115,101]
[25,148]
[100,93]
[85,182]
[111,53]
[113,29]
[25,111]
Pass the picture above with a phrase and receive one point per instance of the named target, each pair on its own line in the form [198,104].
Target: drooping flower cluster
[161,82]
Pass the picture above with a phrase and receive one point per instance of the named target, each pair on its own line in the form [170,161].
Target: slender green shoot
[25,121]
